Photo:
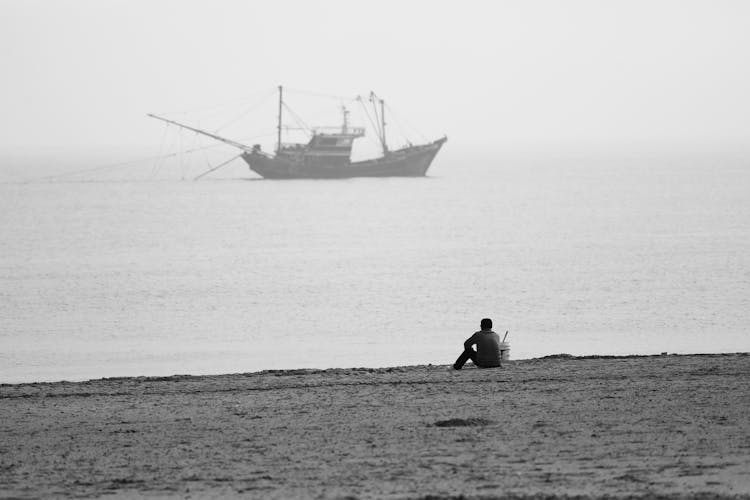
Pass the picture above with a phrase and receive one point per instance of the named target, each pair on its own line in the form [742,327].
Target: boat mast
[374,99]
[281,102]
[382,124]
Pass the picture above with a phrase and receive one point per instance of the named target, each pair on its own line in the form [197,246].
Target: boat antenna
[278,128]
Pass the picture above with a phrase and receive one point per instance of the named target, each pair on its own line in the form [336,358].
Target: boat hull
[412,161]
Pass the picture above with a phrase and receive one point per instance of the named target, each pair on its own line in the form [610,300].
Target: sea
[620,255]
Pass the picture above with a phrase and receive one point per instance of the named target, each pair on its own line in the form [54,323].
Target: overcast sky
[82,74]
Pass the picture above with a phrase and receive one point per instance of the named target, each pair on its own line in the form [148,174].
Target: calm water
[150,278]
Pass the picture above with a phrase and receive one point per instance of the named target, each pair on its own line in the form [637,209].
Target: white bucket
[505,350]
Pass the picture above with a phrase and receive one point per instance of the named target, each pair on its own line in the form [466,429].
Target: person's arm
[470,341]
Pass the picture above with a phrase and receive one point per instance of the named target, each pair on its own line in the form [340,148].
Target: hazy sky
[82,73]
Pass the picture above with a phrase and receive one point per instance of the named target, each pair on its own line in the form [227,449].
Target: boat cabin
[326,147]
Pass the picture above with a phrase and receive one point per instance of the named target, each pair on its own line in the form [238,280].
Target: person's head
[486,324]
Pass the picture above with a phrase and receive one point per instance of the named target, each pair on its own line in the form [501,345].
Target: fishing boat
[327,154]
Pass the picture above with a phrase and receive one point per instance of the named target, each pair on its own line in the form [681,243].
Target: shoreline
[295,371]
[553,427]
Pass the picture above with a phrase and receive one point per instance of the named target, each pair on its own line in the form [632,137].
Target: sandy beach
[665,426]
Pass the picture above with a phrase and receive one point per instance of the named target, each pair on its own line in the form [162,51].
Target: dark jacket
[488,348]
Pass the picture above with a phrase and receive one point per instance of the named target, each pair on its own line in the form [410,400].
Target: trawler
[327,154]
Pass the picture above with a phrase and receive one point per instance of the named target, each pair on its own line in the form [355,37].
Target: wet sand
[670,426]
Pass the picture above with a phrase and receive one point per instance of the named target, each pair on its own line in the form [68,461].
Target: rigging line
[225,103]
[401,131]
[119,164]
[161,147]
[374,99]
[296,117]
[367,114]
[401,121]
[175,146]
[196,140]
[95,169]
[182,155]
[205,157]
[318,94]
[323,113]
[253,107]
[218,166]
[133,162]
[364,109]
[158,160]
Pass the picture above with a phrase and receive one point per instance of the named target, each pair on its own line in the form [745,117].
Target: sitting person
[488,353]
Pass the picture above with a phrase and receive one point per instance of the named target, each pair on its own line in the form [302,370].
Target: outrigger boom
[209,134]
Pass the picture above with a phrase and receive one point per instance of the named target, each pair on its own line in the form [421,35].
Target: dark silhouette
[488,353]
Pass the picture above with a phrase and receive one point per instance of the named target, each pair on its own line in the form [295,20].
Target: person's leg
[468,354]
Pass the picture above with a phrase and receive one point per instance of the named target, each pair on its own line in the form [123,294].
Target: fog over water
[592,197]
